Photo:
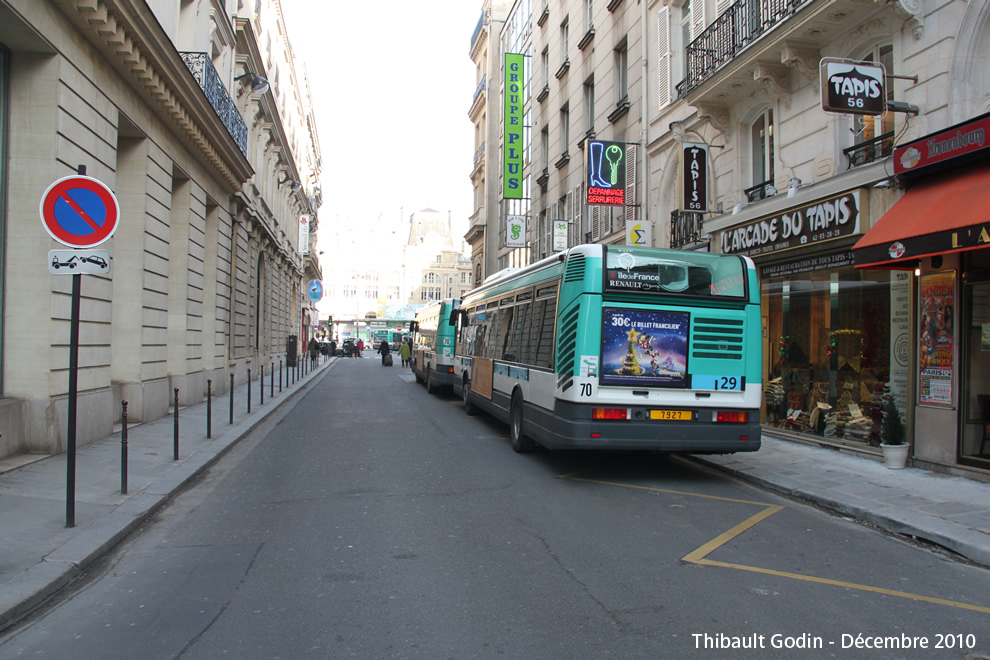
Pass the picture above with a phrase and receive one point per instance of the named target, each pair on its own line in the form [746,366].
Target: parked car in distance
[348,348]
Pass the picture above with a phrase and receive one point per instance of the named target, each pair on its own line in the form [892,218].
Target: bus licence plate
[675,415]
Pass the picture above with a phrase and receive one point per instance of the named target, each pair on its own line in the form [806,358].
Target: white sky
[392,83]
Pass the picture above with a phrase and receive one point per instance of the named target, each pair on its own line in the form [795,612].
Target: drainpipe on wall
[644,130]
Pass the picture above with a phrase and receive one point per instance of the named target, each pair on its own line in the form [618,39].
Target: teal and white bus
[432,357]
[617,347]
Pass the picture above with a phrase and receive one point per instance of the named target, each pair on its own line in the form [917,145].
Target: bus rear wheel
[521,444]
[430,385]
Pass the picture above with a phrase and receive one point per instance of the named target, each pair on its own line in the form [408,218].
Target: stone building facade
[741,83]
[212,169]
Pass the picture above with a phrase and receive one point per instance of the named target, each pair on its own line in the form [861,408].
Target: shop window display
[828,352]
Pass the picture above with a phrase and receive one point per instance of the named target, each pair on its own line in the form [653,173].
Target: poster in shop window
[936,357]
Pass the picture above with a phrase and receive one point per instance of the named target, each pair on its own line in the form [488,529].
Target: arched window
[762,155]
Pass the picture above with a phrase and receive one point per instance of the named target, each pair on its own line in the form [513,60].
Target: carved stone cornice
[134,44]
[777,79]
[804,60]
[717,116]
[911,12]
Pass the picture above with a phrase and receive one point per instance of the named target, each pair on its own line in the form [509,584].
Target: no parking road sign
[79,211]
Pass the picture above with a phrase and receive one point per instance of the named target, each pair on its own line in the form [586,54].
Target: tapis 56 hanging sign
[851,87]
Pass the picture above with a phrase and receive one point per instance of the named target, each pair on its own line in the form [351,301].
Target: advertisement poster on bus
[644,348]
[936,350]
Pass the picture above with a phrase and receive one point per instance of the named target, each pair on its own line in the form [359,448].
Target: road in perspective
[373,520]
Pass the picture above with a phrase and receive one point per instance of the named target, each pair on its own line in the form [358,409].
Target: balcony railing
[760,191]
[480,88]
[218,96]
[734,30]
[479,154]
[870,150]
[685,228]
[477,29]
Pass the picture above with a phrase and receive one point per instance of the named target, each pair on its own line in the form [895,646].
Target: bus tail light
[450,369]
[610,413]
[736,416]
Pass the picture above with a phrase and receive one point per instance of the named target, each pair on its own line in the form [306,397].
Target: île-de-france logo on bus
[606,173]
[852,87]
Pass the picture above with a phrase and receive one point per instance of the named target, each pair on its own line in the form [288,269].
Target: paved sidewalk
[39,555]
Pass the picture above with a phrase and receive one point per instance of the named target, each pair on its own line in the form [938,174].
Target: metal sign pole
[70,479]
[70,449]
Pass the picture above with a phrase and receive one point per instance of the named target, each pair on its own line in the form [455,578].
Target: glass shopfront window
[974,440]
[836,341]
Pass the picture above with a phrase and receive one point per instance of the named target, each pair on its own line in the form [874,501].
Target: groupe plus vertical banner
[694,177]
[606,173]
[512,122]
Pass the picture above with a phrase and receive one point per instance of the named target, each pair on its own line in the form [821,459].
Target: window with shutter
[663,57]
[595,215]
[697,18]
[631,182]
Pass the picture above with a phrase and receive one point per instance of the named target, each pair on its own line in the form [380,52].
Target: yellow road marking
[698,556]
[659,490]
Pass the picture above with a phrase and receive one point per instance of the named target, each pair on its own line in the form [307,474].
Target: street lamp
[258,84]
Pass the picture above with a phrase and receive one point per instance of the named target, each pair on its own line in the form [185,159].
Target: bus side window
[506,334]
[520,337]
[488,335]
[543,328]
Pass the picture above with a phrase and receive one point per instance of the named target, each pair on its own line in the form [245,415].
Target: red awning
[947,213]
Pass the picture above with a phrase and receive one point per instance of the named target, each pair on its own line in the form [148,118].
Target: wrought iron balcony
[734,30]
[870,150]
[760,191]
[685,228]
[480,88]
[218,96]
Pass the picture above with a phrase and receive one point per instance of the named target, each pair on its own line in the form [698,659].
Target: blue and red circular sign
[79,211]
[315,290]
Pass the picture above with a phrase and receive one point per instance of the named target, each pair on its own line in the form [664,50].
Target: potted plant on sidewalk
[892,435]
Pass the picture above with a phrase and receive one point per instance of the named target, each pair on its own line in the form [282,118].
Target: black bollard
[123,448]
[249,392]
[271,381]
[261,384]
[280,374]
[231,398]
[209,409]
[175,434]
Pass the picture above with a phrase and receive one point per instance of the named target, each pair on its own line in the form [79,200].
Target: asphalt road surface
[373,520]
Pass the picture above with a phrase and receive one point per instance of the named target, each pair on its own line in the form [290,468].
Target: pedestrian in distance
[314,350]
[384,350]
[360,346]
[404,354]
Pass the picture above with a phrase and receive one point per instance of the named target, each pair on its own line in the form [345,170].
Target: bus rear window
[687,273]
